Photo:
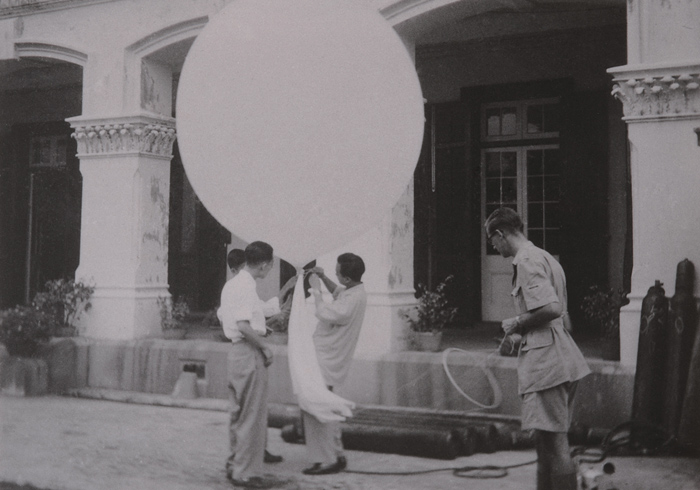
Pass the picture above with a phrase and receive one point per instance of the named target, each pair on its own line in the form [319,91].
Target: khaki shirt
[548,354]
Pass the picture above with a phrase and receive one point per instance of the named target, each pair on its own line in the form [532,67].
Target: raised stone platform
[401,379]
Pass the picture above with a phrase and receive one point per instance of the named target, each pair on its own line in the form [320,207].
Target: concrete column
[125,163]
[387,251]
[660,93]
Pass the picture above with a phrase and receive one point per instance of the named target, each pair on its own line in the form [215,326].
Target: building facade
[581,114]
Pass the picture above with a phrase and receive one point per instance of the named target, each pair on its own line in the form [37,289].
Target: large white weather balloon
[299,122]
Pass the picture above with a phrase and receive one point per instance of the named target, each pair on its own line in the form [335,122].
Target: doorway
[48,200]
[522,175]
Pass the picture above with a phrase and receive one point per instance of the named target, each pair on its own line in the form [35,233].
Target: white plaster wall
[665,179]
[103,31]
[662,31]
[666,212]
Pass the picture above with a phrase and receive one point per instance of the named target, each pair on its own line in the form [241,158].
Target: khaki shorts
[551,409]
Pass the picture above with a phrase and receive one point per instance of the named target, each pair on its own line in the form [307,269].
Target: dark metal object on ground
[689,430]
[422,432]
[682,325]
[647,402]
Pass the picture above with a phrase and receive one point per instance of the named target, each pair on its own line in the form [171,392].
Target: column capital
[145,133]
[655,92]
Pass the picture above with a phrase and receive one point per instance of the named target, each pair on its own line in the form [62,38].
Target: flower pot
[22,348]
[427,341]
[67,331]
[174,333]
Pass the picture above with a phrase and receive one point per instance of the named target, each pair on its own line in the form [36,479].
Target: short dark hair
[235,258]
[351,266]
[505,219]
[257,253]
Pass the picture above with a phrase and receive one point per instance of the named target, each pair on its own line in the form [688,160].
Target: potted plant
[601,307]
[63,301]
[23,329]
[172,317]
[428,318]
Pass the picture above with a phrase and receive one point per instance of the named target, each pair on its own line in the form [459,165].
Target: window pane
[493,122]
[493,164]
[535,162]
[493,190]
[535,216]
[552,216]
[509,121]
[535,236]
[45,152]
[509,164]
[490,208]
[553,242]
[534,189]
[552,163]
[551,118]
[510,190]
[551,188]
[535,119]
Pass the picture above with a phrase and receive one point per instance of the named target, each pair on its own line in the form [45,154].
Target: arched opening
[40,182]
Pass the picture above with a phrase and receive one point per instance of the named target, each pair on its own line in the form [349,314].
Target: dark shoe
[272,458]
[252,482]
[327,469]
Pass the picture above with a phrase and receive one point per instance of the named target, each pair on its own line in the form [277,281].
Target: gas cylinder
[689,429]
[647,401]
[682,325]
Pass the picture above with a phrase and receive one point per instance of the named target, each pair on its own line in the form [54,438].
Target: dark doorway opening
[197,245]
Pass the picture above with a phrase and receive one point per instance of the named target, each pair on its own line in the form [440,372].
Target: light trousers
[247,383]
[324,442]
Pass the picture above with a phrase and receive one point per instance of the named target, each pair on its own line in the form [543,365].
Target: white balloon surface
[299,122]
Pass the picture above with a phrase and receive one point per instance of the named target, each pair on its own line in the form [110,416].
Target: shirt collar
[522,252]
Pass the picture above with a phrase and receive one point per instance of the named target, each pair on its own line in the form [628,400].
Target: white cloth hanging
[307,382]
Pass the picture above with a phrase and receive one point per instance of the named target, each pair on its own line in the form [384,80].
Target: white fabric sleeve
[271,307]
[307,381]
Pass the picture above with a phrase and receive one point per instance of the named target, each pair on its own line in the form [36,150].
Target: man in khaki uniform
[549,362]
[335,339]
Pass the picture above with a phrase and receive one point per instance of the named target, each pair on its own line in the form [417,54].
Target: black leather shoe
[252,482]
[327,469]
[272,458]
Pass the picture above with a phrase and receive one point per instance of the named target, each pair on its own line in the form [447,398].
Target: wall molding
[148,134]
[16,8]
[658,92]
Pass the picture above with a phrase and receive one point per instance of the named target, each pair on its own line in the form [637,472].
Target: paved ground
[61,443]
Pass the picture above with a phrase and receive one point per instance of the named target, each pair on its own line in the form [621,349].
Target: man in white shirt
[335,338]
[243,320]
[236,261]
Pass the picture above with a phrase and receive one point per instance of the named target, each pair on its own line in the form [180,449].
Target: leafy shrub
[602,306]
[64,300]
[432,312]
[173,313]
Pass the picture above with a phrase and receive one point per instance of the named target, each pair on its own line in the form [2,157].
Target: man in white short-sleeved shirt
[243,321]
[549,362]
